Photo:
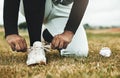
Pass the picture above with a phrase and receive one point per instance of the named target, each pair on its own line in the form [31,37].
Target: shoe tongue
[37,44]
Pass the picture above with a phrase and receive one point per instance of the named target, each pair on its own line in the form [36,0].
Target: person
[61,18]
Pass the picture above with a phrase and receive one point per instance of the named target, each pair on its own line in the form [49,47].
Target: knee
[83,53]
[78,53]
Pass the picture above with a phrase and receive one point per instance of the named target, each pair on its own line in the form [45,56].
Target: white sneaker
[36,54]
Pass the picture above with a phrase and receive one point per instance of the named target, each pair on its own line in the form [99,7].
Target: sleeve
[76,15]
[10,16]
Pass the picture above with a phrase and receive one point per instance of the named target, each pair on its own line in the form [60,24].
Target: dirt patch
[112,30]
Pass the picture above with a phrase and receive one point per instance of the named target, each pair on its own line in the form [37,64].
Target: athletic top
[11,9]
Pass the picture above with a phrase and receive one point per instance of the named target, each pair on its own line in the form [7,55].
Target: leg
[34,13]
[47,36]
[56,24]
[34,17]
[79,44]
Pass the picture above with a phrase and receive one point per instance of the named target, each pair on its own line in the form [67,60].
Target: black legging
[34,13]
[47,36]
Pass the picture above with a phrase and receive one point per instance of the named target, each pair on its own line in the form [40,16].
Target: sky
[98,13]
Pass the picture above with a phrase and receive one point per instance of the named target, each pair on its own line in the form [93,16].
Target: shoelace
[46,47]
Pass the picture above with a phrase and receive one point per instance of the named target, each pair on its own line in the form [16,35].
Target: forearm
[10,16]
[76,15]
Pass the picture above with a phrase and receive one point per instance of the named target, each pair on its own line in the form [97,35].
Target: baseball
[105,51]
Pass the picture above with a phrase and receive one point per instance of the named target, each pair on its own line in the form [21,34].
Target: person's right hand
[17,43]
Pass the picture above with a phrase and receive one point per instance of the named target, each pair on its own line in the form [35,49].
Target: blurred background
[99,13]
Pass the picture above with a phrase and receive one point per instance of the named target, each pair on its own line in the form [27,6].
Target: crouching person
[62,20]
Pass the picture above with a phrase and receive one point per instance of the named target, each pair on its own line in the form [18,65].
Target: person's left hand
[61,41]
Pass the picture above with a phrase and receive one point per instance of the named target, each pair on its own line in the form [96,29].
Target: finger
[65,45]
[24,46]
[21,45]
[53,43]
[61,45]
[17,46]
[12,45]
[57,42]
[52,46]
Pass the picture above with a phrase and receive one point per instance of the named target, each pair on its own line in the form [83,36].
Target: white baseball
[105,51]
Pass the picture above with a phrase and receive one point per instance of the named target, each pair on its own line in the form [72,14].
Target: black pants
[34,14]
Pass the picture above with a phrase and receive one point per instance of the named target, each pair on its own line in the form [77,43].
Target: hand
[17,43]
[61,41]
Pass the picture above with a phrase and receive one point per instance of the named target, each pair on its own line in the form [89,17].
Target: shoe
[36,54]
[72,53]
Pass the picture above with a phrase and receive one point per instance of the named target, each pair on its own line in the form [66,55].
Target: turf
[12,64]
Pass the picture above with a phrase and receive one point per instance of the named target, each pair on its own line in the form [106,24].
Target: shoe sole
[41,63]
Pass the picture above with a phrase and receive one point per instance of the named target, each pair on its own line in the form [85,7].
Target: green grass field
[12,64]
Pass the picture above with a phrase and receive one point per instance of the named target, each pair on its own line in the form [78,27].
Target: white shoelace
[45,47]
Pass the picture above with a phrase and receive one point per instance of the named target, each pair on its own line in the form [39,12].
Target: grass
[12,64]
